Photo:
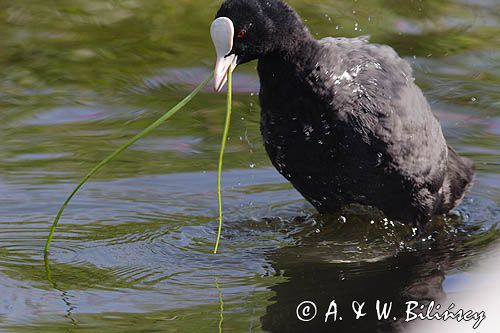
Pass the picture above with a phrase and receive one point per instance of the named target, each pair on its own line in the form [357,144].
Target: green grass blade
[222,148]
[110,157]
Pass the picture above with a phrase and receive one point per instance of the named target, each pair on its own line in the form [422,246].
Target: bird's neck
[289,79]
[293,65]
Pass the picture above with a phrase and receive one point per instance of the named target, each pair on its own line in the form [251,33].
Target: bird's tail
[458,180]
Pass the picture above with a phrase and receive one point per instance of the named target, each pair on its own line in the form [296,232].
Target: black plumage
[343,120]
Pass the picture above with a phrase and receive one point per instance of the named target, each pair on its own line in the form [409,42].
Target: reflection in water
[65,297]
[414,274]
[221,302]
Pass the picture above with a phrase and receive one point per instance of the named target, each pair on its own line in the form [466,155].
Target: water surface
[133,250]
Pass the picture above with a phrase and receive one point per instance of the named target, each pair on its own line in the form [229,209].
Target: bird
[342,119]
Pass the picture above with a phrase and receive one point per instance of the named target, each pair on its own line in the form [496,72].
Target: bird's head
[245,30]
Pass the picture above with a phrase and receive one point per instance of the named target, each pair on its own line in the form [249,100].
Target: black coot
[342,119]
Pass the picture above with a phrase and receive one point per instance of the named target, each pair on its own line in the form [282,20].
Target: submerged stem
[222,148]
[110,157]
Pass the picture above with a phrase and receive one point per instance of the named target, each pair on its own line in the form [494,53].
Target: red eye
[241,34]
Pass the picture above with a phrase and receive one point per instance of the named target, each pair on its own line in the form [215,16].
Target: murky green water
[133,251]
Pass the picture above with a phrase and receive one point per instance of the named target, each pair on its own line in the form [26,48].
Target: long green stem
[110,157]
[222,148]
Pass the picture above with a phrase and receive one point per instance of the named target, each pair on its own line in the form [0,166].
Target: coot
[341,119]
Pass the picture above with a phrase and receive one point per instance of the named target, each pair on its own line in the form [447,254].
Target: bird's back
[372,90]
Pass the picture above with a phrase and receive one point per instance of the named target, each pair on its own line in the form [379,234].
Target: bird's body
[344,122]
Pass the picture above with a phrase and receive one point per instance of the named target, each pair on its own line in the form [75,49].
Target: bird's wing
[374,93]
